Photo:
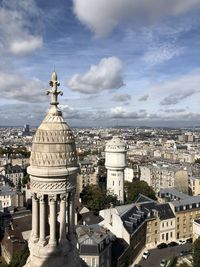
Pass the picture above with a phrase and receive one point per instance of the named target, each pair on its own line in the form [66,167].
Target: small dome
[53,149]
[116,144]
[116,141]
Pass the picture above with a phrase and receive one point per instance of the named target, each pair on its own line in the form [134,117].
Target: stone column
[53,218]
[35,218]
[62,217]
[68,213]
[71,215]
[42,221]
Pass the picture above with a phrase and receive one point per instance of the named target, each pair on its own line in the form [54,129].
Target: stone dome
[115,144]
[53,149]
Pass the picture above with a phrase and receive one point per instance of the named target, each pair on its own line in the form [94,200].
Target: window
[171,234]
[156,223]
[163,225]
[156,231]
[93,262]
[177,219]
[113,183]
[163,236]
[171,222]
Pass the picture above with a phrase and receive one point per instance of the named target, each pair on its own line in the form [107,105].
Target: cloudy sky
[119,62]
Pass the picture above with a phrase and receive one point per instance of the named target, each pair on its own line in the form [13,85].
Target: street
[156,255]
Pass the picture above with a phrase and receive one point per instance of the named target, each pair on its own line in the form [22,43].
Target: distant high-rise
[53,170]
[115,163]
[26,130]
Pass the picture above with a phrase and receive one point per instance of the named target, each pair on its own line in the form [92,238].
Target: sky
[119,62]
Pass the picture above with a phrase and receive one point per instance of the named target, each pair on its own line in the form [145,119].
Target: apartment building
[162,228]
[87,175]
[186,210]
[162,175]
[194,185]
[95,244]
[195,229]
[143,223]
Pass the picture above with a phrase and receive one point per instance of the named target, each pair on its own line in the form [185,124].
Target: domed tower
[53,170]
[115,163]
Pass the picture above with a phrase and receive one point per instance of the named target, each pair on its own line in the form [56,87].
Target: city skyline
[140,60]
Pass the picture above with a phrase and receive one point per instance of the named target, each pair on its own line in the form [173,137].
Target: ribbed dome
[115,144]
[53,148]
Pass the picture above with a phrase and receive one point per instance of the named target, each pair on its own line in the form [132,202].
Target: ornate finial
[54,83]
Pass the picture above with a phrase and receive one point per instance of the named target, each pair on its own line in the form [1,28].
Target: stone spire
[53,171]
[54,83]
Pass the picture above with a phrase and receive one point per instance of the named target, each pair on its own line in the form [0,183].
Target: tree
[184,264]
[25,179]
[19,258]
[133,189]
[173,262]
[197,160]
[196,253]
[19,185]
[96,198]
[101,162]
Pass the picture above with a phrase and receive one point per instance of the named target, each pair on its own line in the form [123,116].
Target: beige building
[194,185]
[186,210]
[94,243]
[88,175]
[160,176]
[162,228]
[195,229]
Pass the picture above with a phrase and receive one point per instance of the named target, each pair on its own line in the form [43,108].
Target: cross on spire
[54,83]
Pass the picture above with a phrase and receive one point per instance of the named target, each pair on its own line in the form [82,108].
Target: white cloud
[19,27]
[179,88]
[122,113]
[143,98]
[161,54]
[101,16]
[177,97]
[122,98]
[70,112]
[118,111]
[14,86]
[106,75]
[23,47]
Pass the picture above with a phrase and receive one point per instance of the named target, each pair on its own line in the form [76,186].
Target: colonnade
[43,204]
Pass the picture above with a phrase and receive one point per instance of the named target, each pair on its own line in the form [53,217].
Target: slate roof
[187,201]
[165,192]
[97,234]
[142,198]
[165,211]
[7,190]
[136,214]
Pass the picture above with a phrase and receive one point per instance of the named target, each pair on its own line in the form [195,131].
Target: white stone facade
[53,170]
[115,163]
